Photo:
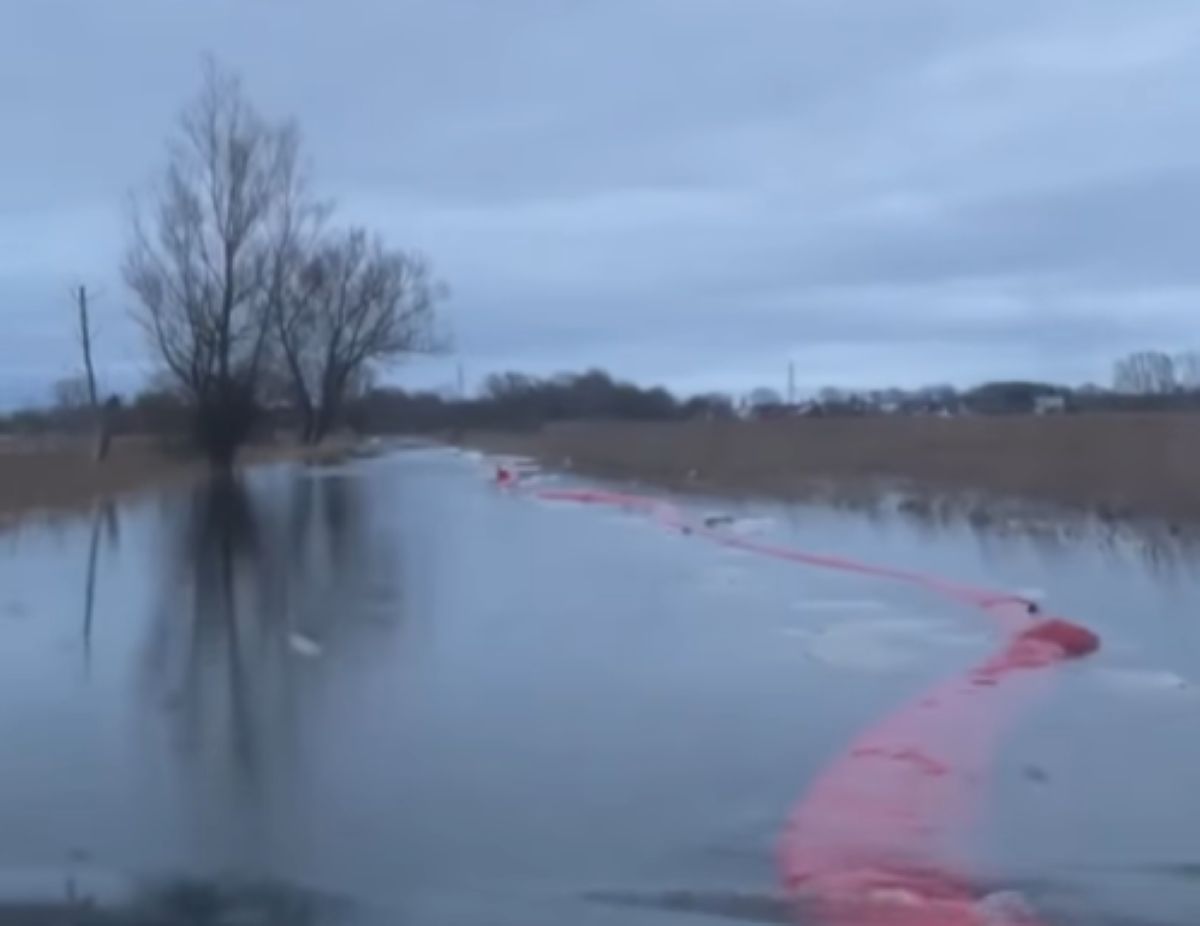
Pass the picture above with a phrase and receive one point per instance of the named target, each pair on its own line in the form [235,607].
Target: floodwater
[409,696]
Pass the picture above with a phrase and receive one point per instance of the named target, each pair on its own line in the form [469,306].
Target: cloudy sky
[686,191]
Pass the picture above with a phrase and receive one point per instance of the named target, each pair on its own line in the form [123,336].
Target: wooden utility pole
[85,342]
[101,414]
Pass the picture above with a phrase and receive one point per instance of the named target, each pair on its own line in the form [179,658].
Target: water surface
[392,682]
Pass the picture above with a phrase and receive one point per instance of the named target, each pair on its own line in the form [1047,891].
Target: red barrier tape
[879,839]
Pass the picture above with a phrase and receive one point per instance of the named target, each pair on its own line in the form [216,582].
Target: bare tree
[210,251]
[763,396]
[1146,372]
[351,305]
[1187,370]
[71,393]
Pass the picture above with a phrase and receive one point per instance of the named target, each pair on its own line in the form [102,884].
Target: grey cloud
[688,190]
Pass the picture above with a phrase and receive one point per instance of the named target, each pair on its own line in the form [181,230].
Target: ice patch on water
[838,604]
[879,644]
[724,577]
[304,646]
[1005,908]
[753,525]
[74,885]
[1144,681]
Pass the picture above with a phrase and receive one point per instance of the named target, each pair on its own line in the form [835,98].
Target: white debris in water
[517,463]
[1031,594]
[737,524]
[304,646]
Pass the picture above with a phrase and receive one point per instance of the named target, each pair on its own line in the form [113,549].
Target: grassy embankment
[1115,465]
[1119,465]
[58,474]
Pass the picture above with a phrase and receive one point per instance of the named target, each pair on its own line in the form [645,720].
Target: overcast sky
[691,192]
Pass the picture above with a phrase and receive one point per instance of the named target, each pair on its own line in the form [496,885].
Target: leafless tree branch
[354,303]
[208,249]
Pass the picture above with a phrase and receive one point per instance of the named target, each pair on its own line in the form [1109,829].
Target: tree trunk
[325,418]
[103,439]
[223,421]
[308,427]
[221,456]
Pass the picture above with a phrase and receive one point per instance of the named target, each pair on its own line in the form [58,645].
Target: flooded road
[394,683]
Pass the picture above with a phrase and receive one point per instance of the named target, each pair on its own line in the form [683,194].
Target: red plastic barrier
[881,838]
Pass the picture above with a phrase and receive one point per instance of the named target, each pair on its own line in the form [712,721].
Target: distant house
[1015,398]
[921,405]
[1049,404]
[775,410]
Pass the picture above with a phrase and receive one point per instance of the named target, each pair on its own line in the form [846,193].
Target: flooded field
[393,684]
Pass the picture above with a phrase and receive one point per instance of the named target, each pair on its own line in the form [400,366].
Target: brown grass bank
[58,474]
[1119,465]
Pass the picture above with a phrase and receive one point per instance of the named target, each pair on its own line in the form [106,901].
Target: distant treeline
[1145,382]
[509,400]
[517,401]
[158,410]
[513,400]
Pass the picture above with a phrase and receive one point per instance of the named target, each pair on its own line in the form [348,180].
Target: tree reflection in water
[262,590]
[104,522]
